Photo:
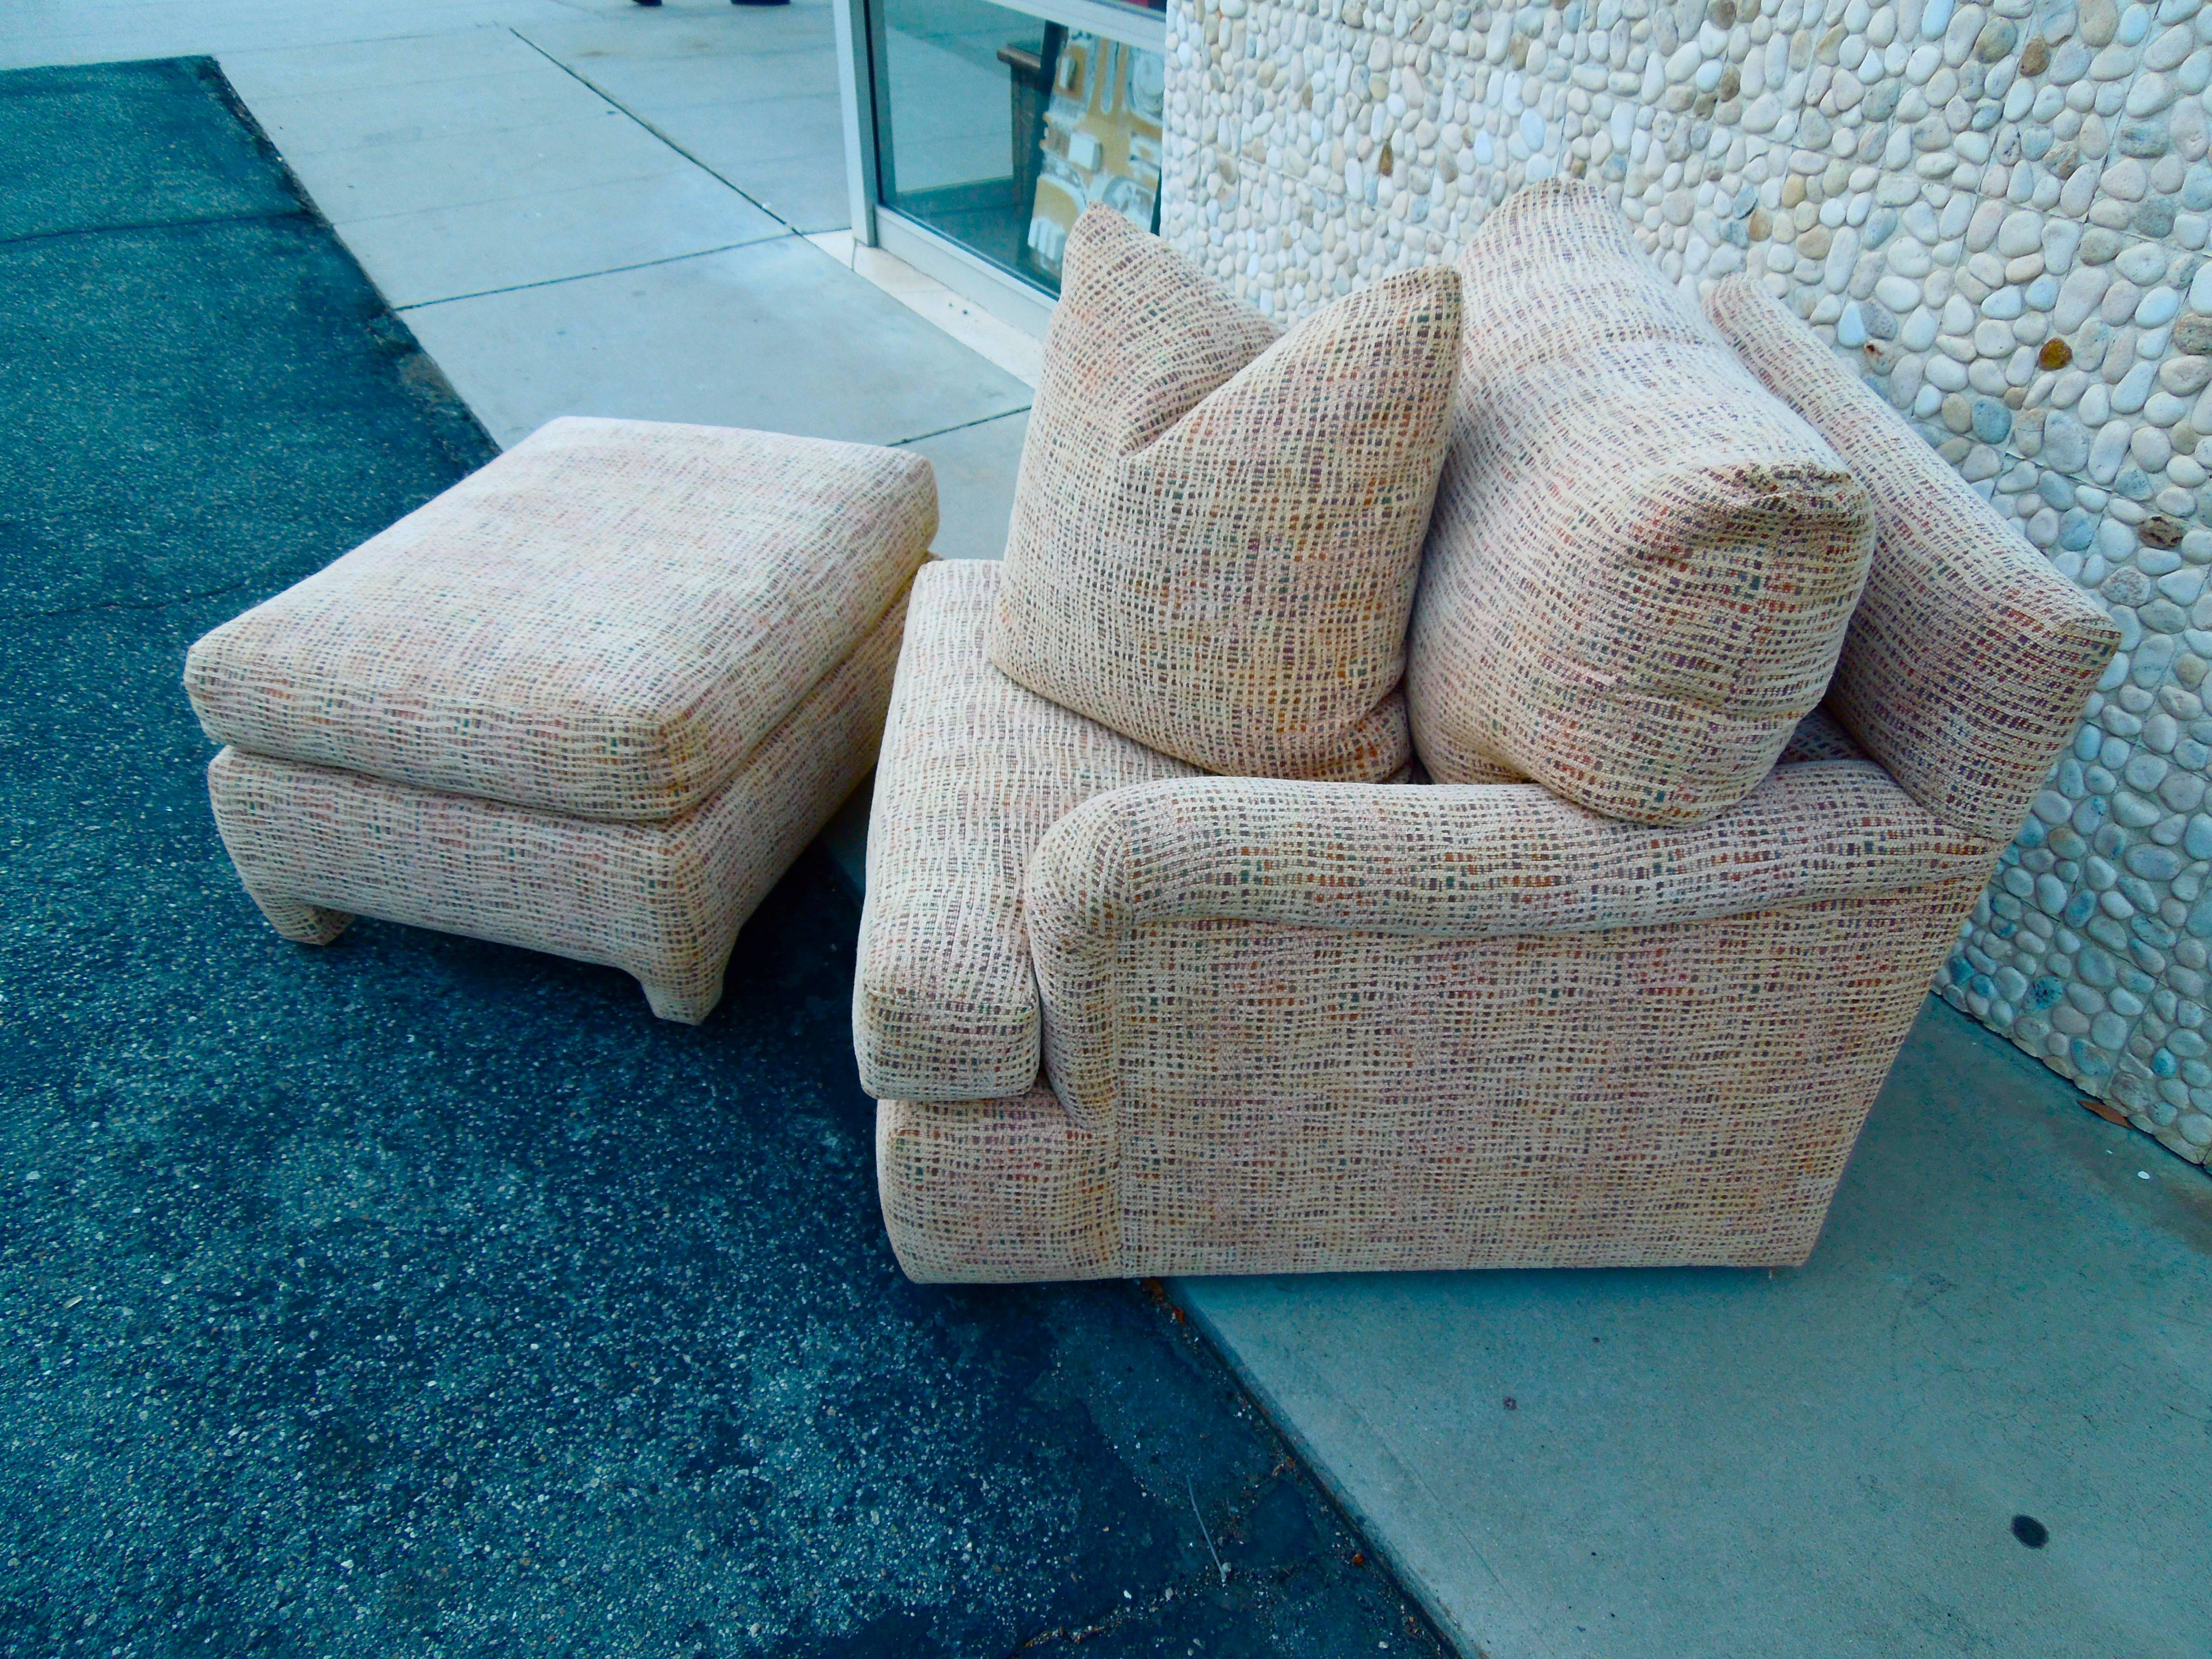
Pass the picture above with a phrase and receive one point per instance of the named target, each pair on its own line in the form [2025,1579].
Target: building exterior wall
[1998,211]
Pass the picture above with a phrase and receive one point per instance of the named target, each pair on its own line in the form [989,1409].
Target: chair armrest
[1464,861]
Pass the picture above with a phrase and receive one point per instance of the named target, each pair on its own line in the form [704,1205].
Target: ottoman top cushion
[605,622]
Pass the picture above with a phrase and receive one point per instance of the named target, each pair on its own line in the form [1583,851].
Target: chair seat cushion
[973,770]
[1642,562]
[605,622]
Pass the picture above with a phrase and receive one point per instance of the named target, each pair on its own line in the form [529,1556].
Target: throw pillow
[1642,563]
[1217,531]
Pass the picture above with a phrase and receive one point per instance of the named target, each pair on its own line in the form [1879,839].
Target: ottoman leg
[298,920]
[687,1001]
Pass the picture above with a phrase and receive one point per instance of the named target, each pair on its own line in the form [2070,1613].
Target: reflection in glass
[996,128]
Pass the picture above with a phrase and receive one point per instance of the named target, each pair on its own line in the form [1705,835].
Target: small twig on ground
[1220,1566]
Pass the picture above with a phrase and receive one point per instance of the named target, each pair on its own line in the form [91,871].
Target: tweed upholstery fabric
[662,899]
[1642,563]
[603,622]
[1301,1098]
[1820,736]
[998,1191]
[1969,659]
[1216,534]
[1443,862]
[973,770]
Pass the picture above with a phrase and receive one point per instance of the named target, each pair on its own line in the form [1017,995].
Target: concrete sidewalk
[589,207]
[2009,1313]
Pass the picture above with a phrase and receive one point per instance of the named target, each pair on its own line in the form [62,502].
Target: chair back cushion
[1217,530]
[1969,659]
[1642,563]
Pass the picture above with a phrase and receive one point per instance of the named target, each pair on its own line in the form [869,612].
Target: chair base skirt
[662,901]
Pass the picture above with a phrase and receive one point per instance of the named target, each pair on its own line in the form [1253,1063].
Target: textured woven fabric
[1820,736]
[1969,659]
[1215,539]
[1444,862]
[998,1191]
[661,900]
[604,623]
[975,769]
[1642,563]
[1298,1027]
[1312,1099]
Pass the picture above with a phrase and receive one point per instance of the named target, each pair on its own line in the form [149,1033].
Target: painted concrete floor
[582,205]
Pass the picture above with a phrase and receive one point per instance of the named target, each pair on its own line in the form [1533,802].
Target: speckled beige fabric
[603,622]
[1642,563]
[662,899]
[1448,862]
[1215,538]
[1820,736]
[975,769]
[1297,1028]
[1969,659]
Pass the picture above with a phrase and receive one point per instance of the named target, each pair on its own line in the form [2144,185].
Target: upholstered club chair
[1125,1019]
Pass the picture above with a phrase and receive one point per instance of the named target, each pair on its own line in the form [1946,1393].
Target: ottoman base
[663,900]
[295,920]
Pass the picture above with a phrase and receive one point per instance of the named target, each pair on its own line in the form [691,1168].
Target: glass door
[996,126]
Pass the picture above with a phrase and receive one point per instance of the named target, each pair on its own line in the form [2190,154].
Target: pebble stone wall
[1999,212]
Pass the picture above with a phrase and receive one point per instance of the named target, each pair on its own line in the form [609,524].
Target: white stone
[2143,262]
[2160,306]
[2185,375]
[2164,410]
[2108,452]
[2133,389]
[2114,63]
[1909,258]
[2020,233]
[1982,228]
[2065,443]
[1898,293]
[2061,239]
[2149,95]
[2080,295]
[2125,179]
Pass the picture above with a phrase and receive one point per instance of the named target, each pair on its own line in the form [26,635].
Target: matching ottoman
[593,700]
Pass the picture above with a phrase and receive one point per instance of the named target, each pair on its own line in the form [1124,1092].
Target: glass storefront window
[996,129]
